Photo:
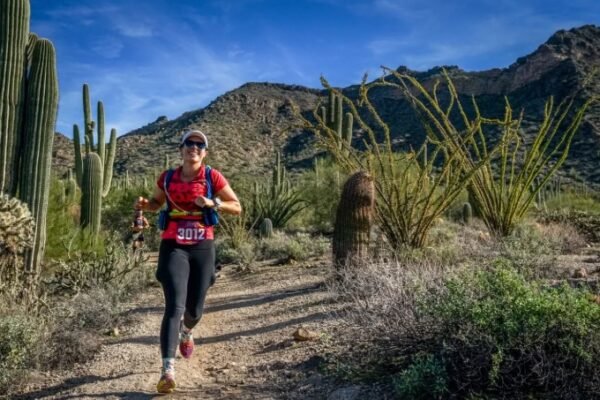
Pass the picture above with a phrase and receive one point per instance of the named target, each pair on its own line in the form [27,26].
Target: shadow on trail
[234,335]
[68,384]
[250,301]
[238,301]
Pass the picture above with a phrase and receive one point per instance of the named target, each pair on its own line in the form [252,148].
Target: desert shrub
[19,335]
[283,246]
[424,379]
[321,188]
[488,331]
[76,324]
[586,223]
[242,254]
[298,247]
[115,266]
[573,201]
[506,335]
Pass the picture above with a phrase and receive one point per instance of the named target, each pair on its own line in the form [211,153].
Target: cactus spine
[353,220]
[14,34]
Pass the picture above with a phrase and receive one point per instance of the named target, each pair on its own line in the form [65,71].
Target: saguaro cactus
[353,220]
[334,117]
[102,162]
[91,193]
[28,107]
[14,34]
[40,119]
[107,158]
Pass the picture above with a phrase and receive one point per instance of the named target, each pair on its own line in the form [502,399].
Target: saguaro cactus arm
[109,161]
[78,158]
[91,193]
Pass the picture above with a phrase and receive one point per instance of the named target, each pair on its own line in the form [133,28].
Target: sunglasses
[191,143]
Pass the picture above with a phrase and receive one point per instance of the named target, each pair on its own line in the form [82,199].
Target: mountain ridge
[248,123]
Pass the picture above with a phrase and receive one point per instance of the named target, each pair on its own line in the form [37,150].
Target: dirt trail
[244,346]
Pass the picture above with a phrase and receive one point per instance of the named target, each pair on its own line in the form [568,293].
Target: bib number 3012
[190,232]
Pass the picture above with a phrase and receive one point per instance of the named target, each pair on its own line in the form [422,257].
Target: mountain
[245,125]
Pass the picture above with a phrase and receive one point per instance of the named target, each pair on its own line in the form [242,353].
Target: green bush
[490,332]
[242,254]
[321,188]
[19,335]
[115,266]
[503,334]
[572,201]
[425,379]
[298,247]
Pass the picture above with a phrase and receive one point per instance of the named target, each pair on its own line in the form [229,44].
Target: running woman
[186,260]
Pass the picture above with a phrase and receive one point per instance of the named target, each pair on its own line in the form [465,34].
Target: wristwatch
[218,203]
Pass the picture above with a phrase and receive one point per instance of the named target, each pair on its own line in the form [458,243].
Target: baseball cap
[195,132]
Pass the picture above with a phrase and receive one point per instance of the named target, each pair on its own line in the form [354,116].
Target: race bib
[190,232]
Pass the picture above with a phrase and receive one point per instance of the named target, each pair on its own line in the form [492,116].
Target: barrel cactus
[353,220]
[266,228]
[467,213]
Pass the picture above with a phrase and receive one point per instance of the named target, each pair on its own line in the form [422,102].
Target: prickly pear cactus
[353,220]
[16,227]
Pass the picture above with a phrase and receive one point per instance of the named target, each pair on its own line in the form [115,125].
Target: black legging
[185,273]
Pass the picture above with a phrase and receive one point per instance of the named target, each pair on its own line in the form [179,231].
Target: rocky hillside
[248,123]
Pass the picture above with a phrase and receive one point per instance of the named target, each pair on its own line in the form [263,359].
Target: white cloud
[108,47]
[132,29]
[81,11]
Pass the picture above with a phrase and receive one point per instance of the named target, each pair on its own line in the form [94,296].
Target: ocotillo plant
[353,220]
[410,197]
[29,103]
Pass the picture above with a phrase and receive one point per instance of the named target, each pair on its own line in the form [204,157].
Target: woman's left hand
[202,202]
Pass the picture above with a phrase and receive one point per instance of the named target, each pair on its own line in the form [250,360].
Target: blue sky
[147,58]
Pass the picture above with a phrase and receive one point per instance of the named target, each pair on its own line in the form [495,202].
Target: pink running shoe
[186,344]
[166,384]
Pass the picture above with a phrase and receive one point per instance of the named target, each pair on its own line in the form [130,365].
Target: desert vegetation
[452,260]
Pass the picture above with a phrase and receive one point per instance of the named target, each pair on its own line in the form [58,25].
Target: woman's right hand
[140,203]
